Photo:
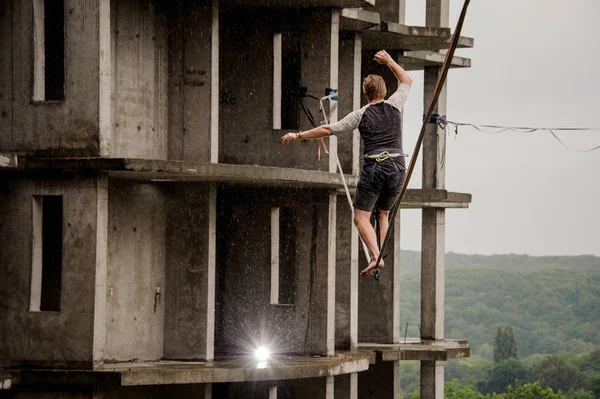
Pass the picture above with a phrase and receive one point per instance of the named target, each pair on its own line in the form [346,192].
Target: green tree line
[533,325]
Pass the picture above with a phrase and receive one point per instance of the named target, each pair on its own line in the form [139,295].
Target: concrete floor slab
[430,198]
[356,20]
[395,36]
[303,3]
[173,171]
[234,369]
[418,60]
[415,349]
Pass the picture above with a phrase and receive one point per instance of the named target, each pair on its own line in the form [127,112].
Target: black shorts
[379,184]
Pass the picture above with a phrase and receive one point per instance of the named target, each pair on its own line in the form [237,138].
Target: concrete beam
[239,370]
[303,3]
[8,161]
[415,349]
[357,19]
[173,171]
[395,36]
[5,381]
[419,60]
[430,198]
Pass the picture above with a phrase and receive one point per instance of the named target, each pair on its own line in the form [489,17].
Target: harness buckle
[383,156]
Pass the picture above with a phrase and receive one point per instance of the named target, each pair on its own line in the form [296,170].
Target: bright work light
[261,354]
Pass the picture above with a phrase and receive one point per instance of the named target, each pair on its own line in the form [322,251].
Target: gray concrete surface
[136,267]
[190,81]
[59,128]
[246,131]
[139,256]
[59,339]
[415,349]
[343,288]
[245,318]
[139,46]
[186,274]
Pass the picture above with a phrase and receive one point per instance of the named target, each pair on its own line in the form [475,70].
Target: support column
[214,85]
[333,81]
[402,12]
[101,269]
[432,379]
[331,275]
[357,91]
[355,243]
[433,225]
[329,387]
[396,328]
[105,81]
[211,273]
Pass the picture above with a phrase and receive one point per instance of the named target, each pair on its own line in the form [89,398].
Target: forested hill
[411,261]
[553,303]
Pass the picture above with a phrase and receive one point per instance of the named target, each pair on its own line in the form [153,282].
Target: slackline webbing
[436,94]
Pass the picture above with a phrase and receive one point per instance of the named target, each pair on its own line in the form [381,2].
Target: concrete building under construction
[153,230]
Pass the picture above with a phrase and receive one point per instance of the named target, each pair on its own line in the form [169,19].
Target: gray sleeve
[399,97]
[348,124]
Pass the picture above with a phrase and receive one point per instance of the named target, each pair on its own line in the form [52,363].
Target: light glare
[262,354]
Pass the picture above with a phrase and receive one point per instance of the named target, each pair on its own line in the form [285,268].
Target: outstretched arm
[319,131]
[382,57]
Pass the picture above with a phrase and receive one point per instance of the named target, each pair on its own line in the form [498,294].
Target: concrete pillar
[396,328]
[331,260]
[355,243]
[211,272]
[105,84]
[432,380]
[402,12]
[214,85]
[357,94]
[333,80]
[330,387]
[433,225]
[101,269]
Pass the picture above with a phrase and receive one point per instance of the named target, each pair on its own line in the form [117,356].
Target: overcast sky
[535,63]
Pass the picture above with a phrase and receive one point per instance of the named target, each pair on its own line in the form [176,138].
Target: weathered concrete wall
[186,271]
[244,316]
[378,382]
[375,302]
[107,388]
[388,9]
[136,266]
[139,45]
[60,128]
[346,91]
[286,389]
[47,338]
[343,272]
[246,127]
[342,386]
[190,81]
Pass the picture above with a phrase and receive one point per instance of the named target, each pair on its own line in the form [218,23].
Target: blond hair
[374,87]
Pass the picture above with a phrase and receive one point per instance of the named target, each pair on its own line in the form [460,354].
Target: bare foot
[367,272]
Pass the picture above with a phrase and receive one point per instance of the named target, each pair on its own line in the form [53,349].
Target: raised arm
[382,57]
